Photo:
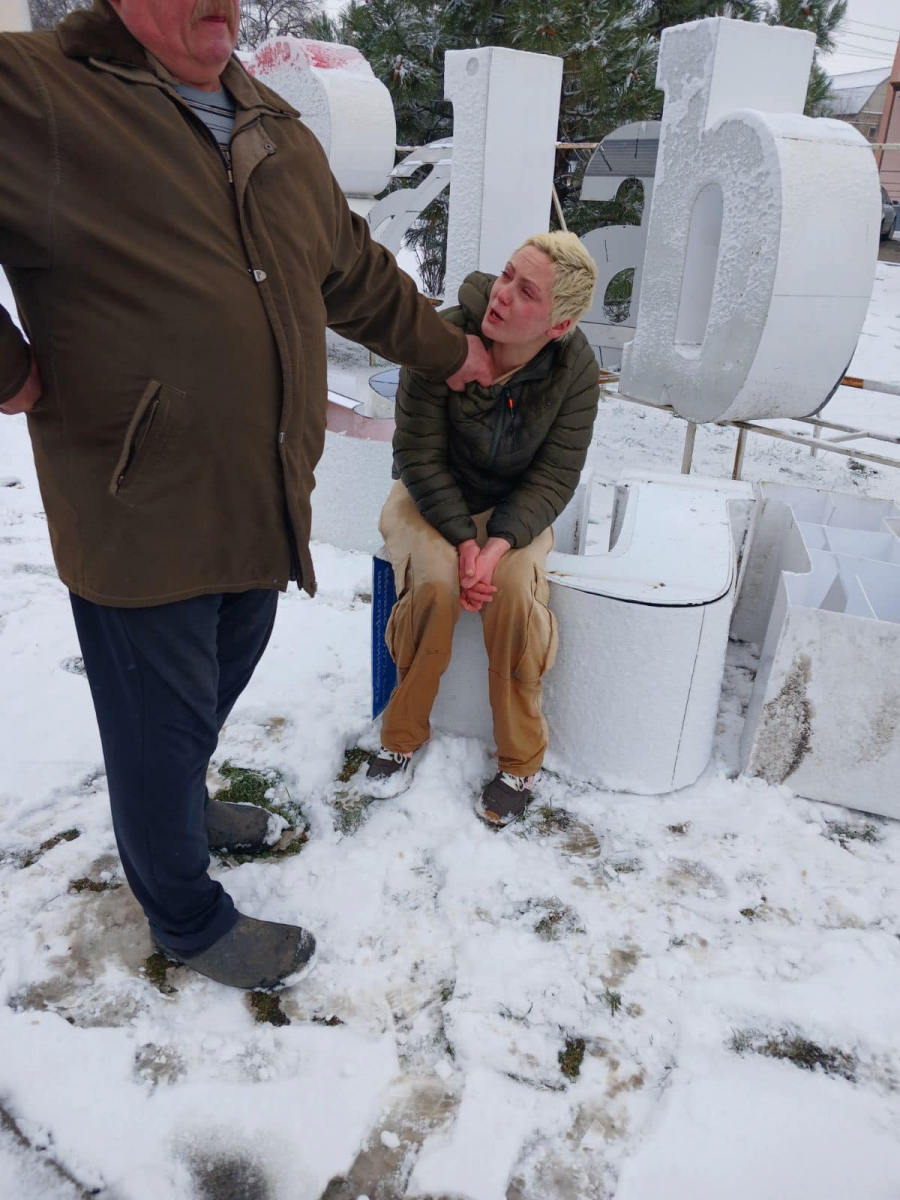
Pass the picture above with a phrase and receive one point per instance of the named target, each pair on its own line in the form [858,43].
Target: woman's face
[521,300]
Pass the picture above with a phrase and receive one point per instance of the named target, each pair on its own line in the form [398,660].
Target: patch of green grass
[92,885]
[247,786]
[266,1009]
[613,1000]
[551,820]
[679,830]
[840,832]
[332,1021]
[67,835]
[547,926]
[363,597]
[751,913]
[350,811]
[571,1057]
[558,921]
[790,1046]
[156,968]
[354,758]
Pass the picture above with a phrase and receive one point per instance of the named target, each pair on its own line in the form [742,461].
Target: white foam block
[14,16]
[339,98]
[505,112]
[763,232]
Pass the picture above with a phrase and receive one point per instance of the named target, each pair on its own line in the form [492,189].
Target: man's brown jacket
[177,316]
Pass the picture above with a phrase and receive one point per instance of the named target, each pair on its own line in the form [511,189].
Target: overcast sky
[867,39]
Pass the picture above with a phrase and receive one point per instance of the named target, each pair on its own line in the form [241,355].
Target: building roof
[850,92]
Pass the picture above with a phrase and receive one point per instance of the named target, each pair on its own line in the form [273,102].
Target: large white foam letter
[763,232]
[505,112]
[14,15]
[627,153]
[340,100]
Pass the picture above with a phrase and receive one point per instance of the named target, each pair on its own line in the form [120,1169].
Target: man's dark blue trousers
[164,680]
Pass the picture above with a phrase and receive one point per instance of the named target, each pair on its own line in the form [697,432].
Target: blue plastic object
[384,597]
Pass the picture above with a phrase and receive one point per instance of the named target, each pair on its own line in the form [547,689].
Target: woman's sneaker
[505,798]
[388,774]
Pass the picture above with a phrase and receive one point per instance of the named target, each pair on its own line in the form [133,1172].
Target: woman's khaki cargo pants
[519,634]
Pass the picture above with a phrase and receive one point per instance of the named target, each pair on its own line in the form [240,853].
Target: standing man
[177,245]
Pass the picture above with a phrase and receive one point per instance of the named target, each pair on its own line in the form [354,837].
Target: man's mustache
[214,8]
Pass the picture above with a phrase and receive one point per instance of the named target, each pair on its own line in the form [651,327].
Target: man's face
[191,38]
[522,299]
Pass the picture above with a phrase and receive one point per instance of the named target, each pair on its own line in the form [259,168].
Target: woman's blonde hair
[574,279]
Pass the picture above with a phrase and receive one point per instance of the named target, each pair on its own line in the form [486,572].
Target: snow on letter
[505,112]
[340,100]
[763,232]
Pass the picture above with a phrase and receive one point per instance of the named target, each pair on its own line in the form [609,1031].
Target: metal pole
[739,454]
[800,440]
[559,211]
[854,429]
[688,457]
[767,431]
[871,385]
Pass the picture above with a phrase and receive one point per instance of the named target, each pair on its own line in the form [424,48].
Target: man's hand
[27,396]
[477,367]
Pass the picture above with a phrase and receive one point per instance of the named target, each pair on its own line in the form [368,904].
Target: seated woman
[483,474]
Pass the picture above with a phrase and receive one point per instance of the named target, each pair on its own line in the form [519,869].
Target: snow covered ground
[717,970]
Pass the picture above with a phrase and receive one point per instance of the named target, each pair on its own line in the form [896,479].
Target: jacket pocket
[398,635]
[541,635]
[148,433]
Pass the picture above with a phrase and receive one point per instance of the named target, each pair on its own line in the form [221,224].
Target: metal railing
[846,433]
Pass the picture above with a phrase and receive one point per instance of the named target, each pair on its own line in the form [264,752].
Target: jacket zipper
[295,569]
[505,405]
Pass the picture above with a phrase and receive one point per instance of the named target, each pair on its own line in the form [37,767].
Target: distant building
[859,98]
[889,134]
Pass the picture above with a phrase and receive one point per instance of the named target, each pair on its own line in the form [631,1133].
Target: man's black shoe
[256,955]
[244,827]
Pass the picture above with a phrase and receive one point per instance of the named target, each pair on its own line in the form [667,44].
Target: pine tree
[46,14]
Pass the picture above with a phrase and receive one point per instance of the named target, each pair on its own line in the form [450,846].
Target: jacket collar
[99,35]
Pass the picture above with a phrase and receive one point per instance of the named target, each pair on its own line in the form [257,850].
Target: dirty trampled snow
[651,946]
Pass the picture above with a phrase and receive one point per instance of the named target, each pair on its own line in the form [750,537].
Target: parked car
[888,216]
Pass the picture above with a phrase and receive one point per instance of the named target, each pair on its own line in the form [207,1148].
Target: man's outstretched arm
[368,299]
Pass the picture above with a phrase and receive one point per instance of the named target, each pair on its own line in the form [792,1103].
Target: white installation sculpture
[740,314]
[14,16]
[340,100]
[625,155]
